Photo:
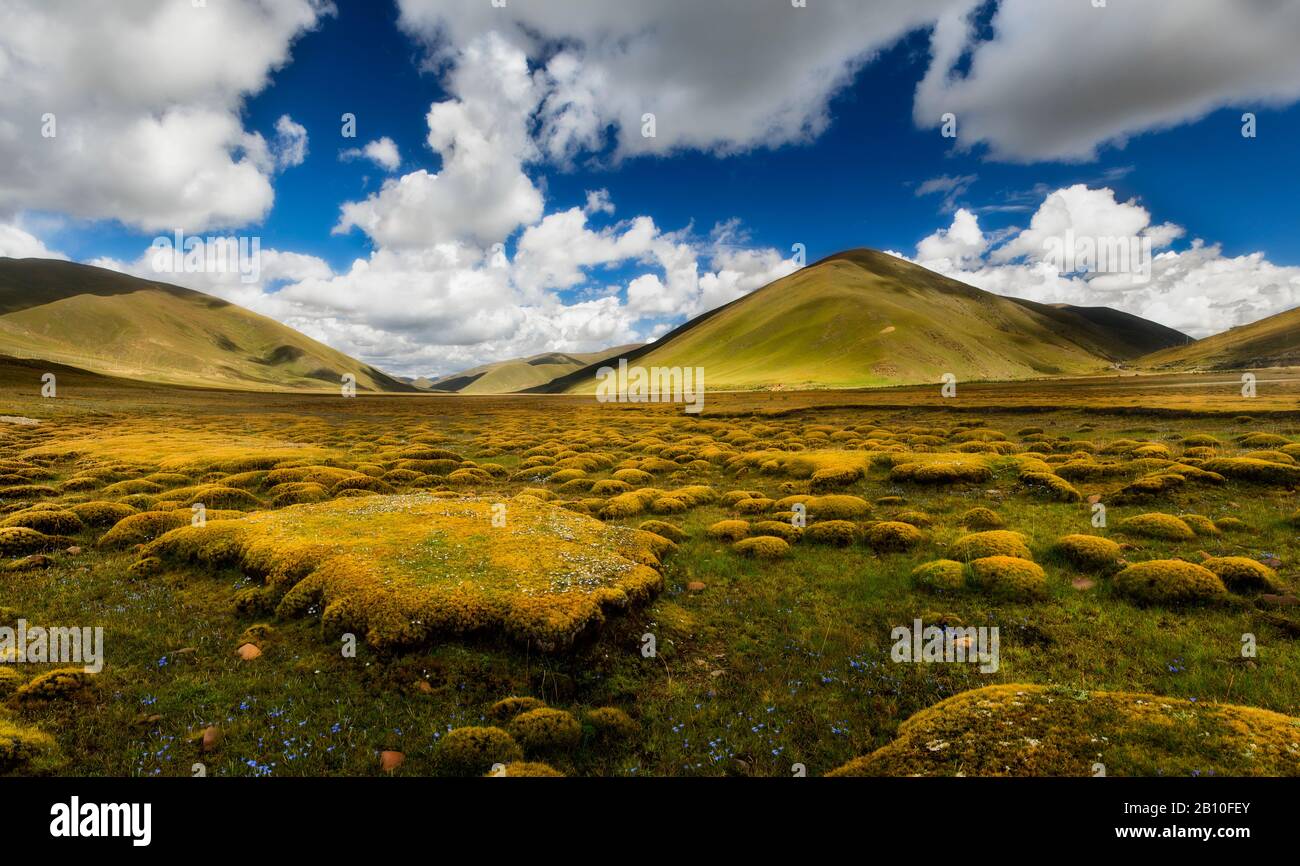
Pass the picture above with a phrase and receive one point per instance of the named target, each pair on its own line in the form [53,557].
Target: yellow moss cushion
[404,570]
[21,745]
[729,530]
[1162,526]
[1241,574]
[472,751]
[1089,552]
[1009,577]
[995,542]
[893,536]
[546,730]
[1030,730]
[762,547]
[941,575]
[1169,581]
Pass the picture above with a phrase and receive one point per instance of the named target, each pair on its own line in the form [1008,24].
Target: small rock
[424,686]
[1273,562]
[1083,584]
[184,651]
[248,651]
[144,720]
[389,761]
[695,586]
[1280,600]
[1094,499]
[73,550]
[211,738]
[717,673]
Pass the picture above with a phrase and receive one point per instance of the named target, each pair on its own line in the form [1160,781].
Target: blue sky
[853,186]
[844,173]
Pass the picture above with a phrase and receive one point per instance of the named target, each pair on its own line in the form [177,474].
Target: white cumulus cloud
[1059,80]
[382,152]
[143,101]
[1197,290]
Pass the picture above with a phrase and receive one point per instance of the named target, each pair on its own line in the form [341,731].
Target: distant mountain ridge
[863,318]
[115,324]
[856,319]
[1271,342]
[520,374]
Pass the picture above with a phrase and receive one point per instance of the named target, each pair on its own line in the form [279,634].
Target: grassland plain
[224,642]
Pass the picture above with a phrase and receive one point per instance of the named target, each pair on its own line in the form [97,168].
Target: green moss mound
[547,730]
[893,536]
[612,724]
[728,530]
[20,541]
[1030,730]
[507,708]
[1162,526]
[995,542]
[942,575]
[941,472]
[785,531]
[834,477]
[56,685]
[978,519]
[1253,471]
[48,521]
[665,530]
[1201,525]
[472,751]
[919,519]
[835,507]
[405,570]
[21,746]
[1089,552]
[1263,440]
[762,547]
[139,528]
[836,533]
[1169,582]
[1244,575]
[1231,524]
[1046,485]
[101,515]
[1009,577]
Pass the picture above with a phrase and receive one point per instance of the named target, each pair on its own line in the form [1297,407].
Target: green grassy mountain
[1271,342]
[103,321]
[520,374]
[864,319]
